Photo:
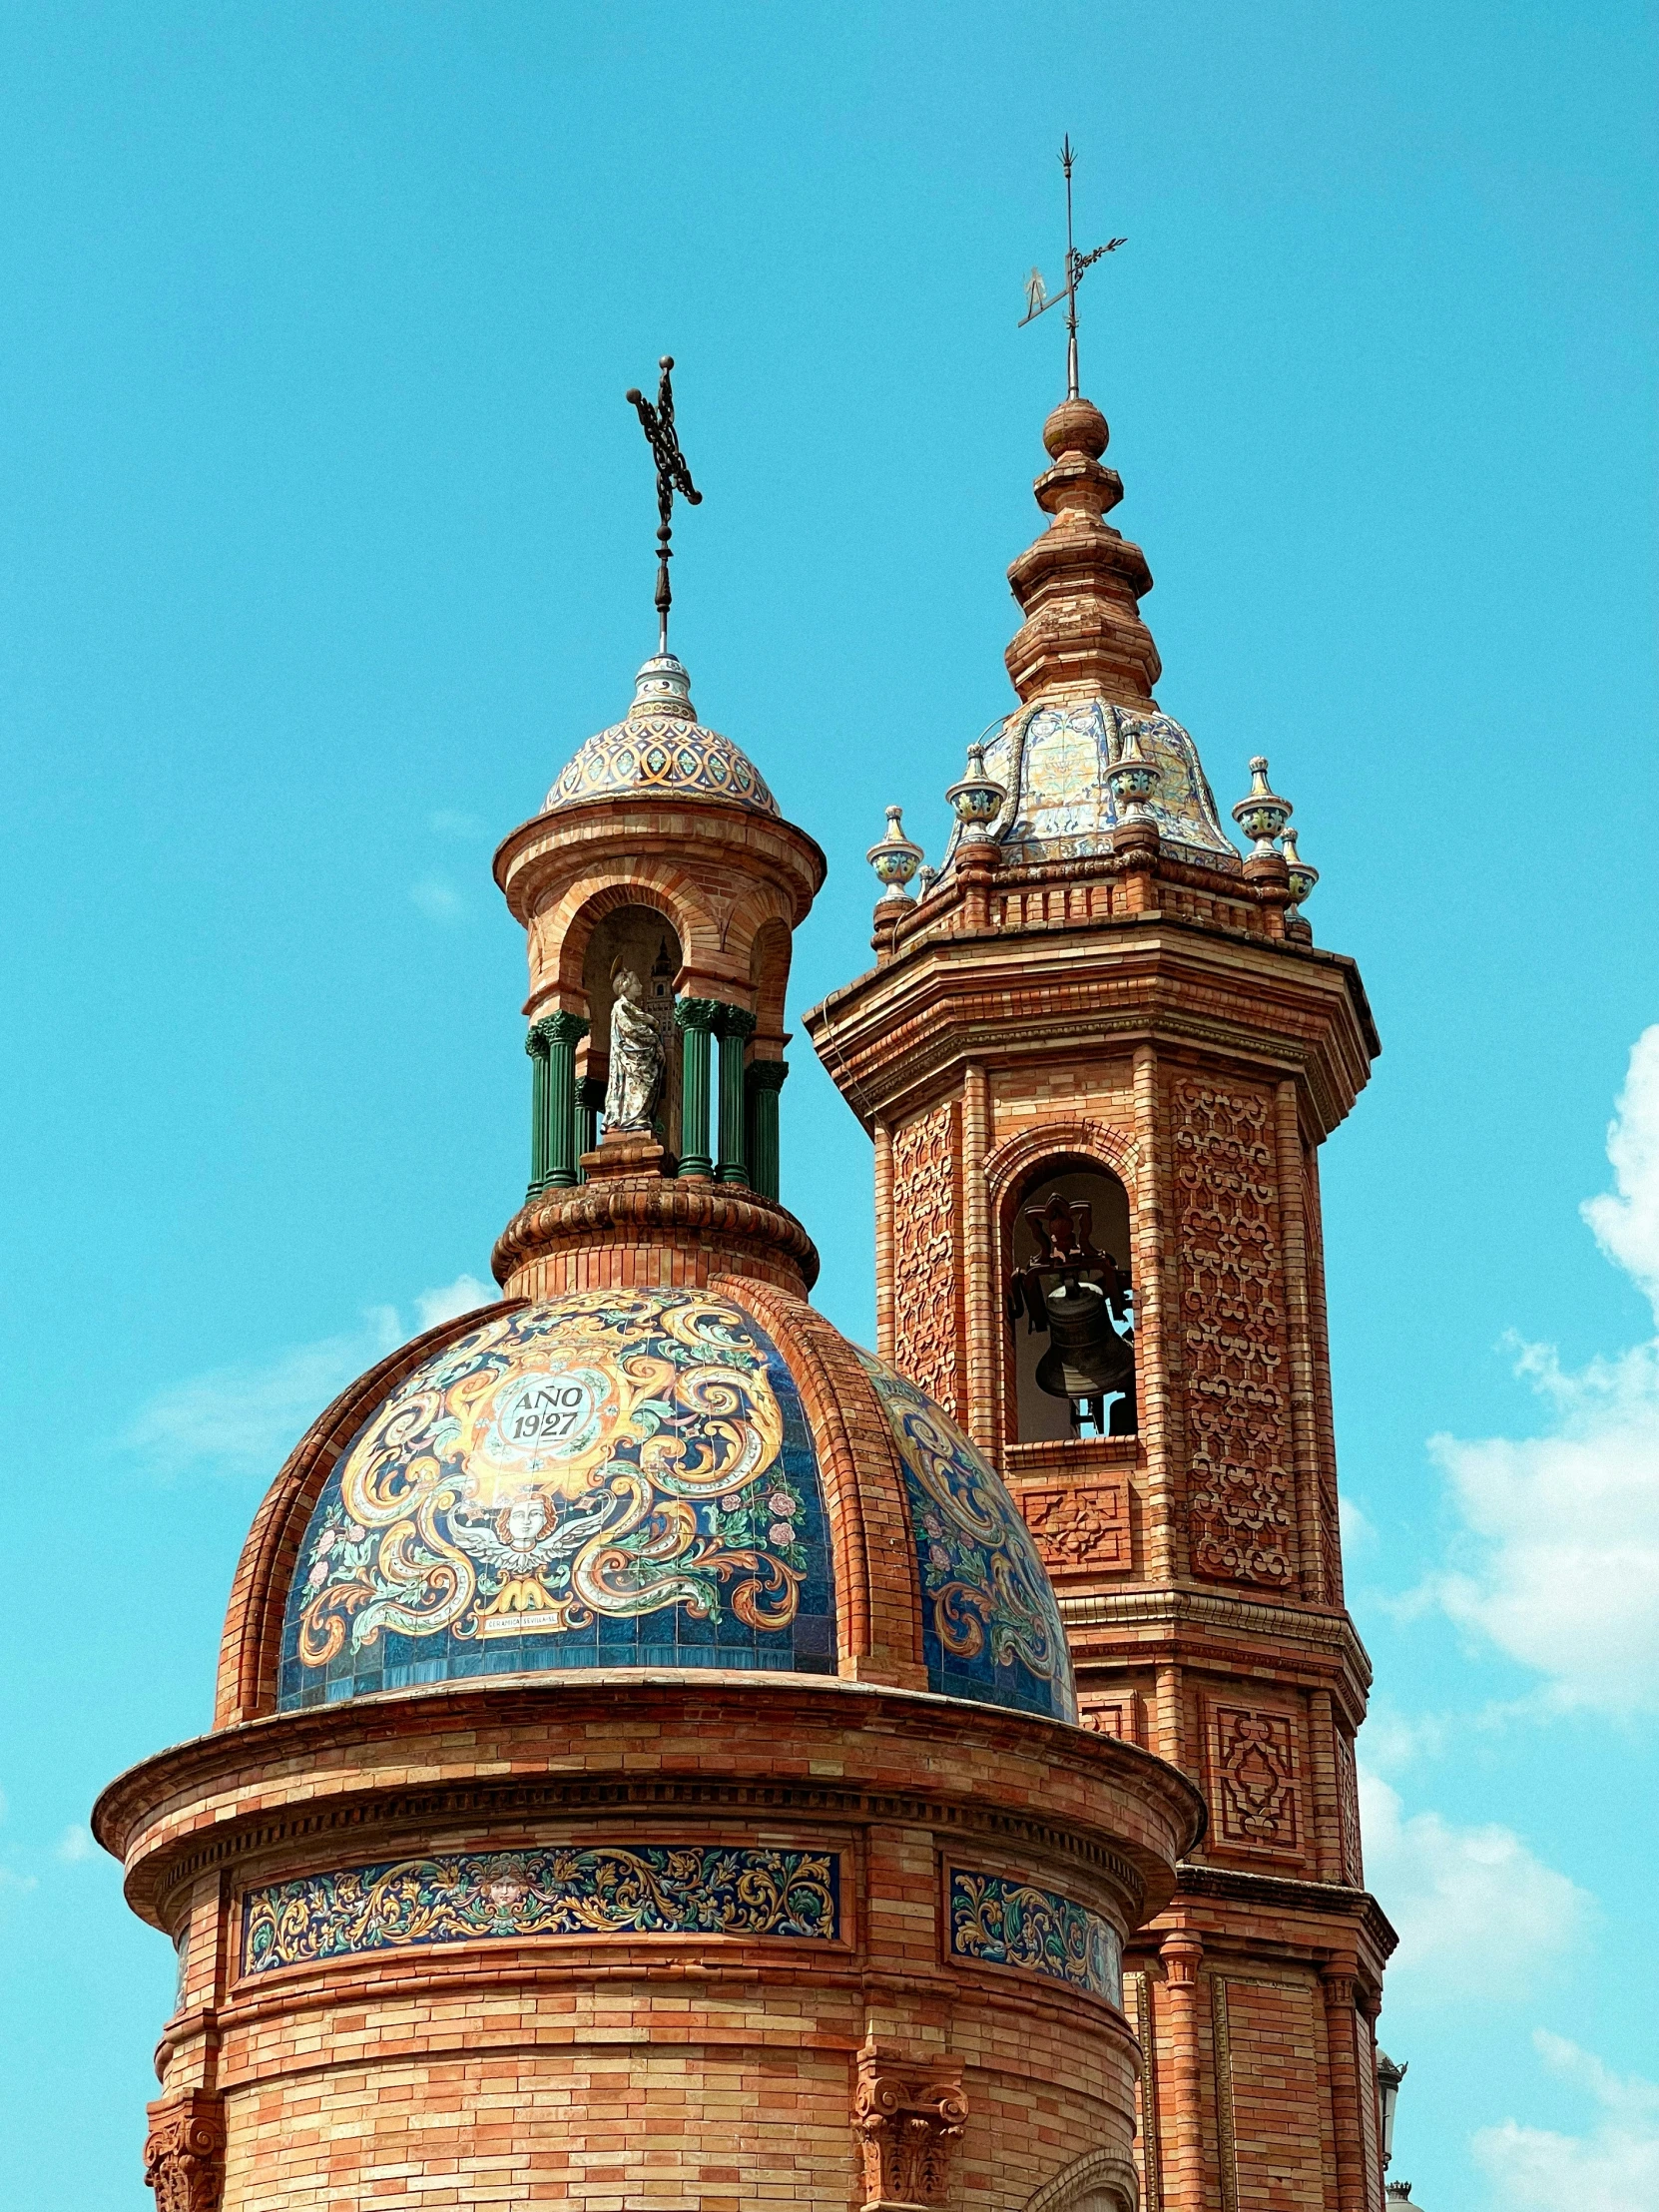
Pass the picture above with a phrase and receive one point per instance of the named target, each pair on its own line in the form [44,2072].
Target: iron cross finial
[1038,299]
[672,476]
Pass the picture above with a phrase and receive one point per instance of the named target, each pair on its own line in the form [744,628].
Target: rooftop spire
[1079,583]
[1038,299]
[673,476]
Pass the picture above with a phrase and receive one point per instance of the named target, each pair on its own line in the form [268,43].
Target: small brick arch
[570,922]
[1093,1141]
[1099,2181]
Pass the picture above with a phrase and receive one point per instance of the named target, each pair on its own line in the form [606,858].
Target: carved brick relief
[1347,1800]
[908,2120]
[184,2154]
[1255,1788]
[1240,1508]
[1110,1715]
[924,1213]
[1080,1527]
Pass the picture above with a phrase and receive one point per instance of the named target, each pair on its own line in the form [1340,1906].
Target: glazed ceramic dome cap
[641,1478]
[660,747]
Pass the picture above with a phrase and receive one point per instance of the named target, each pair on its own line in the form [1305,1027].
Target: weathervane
[672,476]
[1038,299]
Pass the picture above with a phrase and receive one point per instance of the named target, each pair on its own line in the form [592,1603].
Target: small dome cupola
[659,749]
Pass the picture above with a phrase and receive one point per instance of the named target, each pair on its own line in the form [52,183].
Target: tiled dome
[661,748]
[1052,756]
[660,1478]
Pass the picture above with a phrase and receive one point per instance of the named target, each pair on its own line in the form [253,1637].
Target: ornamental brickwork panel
[1254,1789]
[1081,1527]
[1347,1797]
[924,1215]
[1240,1505]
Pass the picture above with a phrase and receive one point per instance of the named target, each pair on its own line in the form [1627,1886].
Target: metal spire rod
[1038,299]
[673,476]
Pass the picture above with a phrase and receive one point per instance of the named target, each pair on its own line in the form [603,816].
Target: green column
[590,1104]
[735,1028]
[697,1018]
[763,1081]
[535,1045]
[564,1031]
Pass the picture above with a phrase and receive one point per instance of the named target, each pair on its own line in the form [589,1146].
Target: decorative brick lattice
[925,1211]
[1232,1330]
[1348,1799]
[1252,1786]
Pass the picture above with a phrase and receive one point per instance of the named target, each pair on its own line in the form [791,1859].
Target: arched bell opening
[1069,1304]
[644,941]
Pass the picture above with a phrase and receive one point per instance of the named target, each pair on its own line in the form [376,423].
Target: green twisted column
[696,1018]
[535,1043]
[735,1028]
[763,1081]
[563,1033]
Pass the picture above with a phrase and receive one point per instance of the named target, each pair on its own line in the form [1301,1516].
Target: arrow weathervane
[672,476]
[1038,299]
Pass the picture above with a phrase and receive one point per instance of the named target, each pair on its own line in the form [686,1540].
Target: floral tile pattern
[1011,1923]
[1053,761]
[662,754]
[991,1629]
[608,1479]
[569,1891]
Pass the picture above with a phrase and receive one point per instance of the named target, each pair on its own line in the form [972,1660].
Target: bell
[1086,1358]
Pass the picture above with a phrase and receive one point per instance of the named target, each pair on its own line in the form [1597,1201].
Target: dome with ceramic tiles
[661,750]
[1053,758]
[658,1478]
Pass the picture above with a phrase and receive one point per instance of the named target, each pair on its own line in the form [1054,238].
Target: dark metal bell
[1086,1358]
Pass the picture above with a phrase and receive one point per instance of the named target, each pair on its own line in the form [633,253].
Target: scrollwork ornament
[184,2153]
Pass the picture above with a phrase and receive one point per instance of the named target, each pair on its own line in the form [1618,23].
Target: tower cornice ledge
[682,1231]
[1107,985]
[1324,1638]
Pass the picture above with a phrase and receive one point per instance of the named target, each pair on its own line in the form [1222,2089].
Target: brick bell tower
[1097,1056]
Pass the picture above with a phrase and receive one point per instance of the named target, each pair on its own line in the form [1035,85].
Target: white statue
[637,1066]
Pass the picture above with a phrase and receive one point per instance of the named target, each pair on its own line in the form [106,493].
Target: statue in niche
[638,1062]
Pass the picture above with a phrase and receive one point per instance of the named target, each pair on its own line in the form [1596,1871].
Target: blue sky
[326,537]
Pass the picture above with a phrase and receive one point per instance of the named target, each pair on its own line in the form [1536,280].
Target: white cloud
[449,821]
[1358,1532]
[1561,1565]
[76,1846]
[453,1299]
[1612,2168]
[245,1419]
[438,899]
[1626,1219]
[1474,1908]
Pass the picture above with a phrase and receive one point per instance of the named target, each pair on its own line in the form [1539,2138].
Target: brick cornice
[1279,1894]
[1184,1616]
[1289,1010]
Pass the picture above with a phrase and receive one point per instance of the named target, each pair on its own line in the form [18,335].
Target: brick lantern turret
[1097,1058]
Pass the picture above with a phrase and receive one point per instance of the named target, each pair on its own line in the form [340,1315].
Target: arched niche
[1036,1415]
[644,940]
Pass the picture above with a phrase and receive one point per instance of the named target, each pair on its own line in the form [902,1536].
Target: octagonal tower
[645,1769]
[1098,1056]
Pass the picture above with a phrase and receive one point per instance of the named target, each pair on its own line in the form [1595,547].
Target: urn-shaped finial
[1132,777]
[978,799]
[1261,814]
[1304,875]
[894,857]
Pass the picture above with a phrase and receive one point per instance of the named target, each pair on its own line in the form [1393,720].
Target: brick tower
[1097,1057]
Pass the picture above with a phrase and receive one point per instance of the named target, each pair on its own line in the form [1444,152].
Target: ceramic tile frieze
[991,1627]
[569,1890]
[1002,1923]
